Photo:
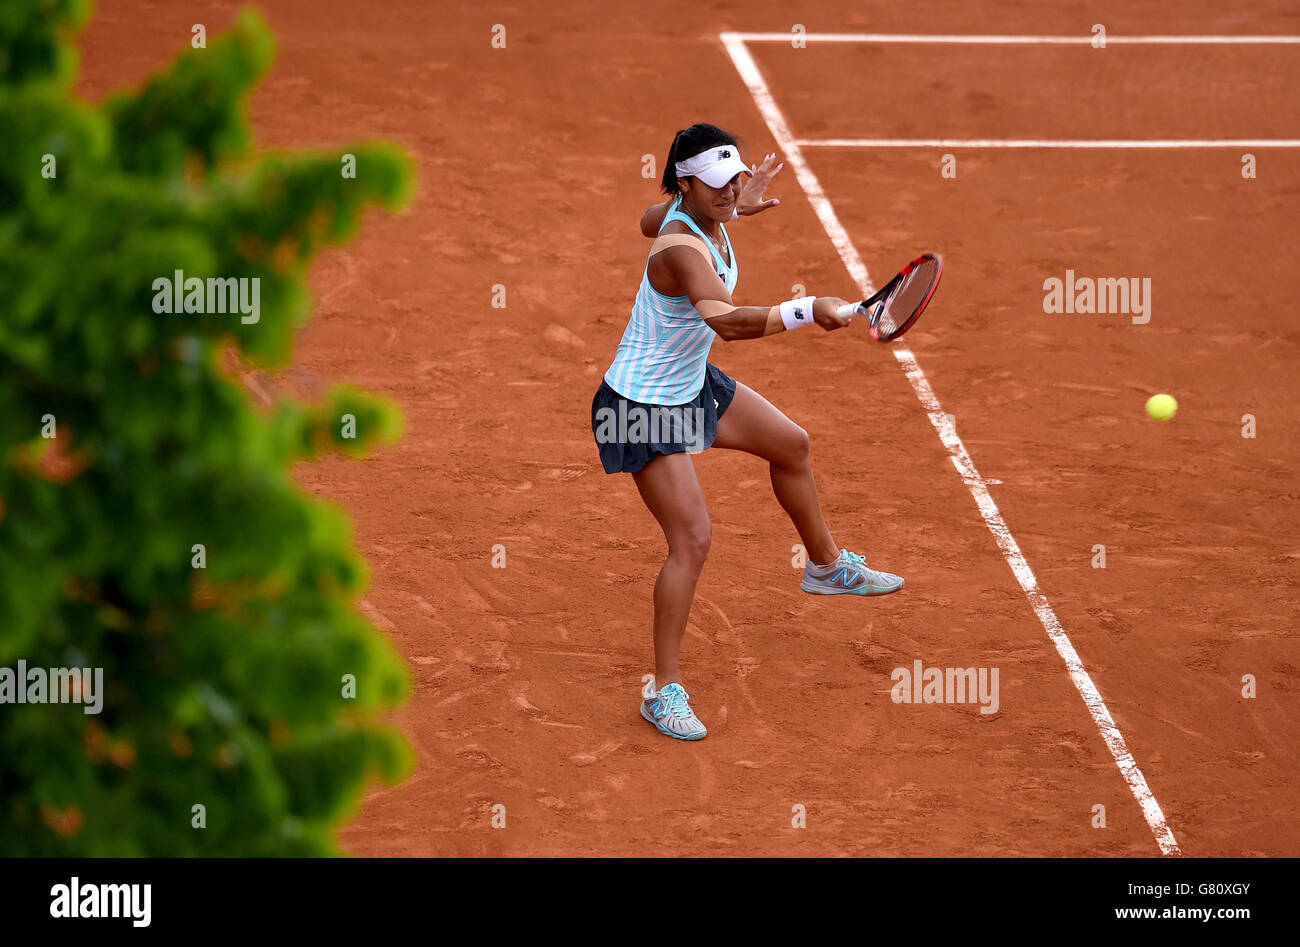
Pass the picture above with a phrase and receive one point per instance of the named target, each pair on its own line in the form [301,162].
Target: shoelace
[872,574]
[675,699]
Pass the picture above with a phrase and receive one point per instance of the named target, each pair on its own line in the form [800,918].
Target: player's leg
[754,425]
[672,493]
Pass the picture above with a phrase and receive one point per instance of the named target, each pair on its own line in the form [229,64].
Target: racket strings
[906,301]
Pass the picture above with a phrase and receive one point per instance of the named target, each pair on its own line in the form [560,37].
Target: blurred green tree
[225,685]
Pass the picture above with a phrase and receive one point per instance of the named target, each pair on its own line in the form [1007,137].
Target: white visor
[714,167]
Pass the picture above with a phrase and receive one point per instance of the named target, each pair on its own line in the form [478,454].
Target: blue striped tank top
[662,356]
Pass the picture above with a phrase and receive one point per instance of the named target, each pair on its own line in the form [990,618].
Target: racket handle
[848,311]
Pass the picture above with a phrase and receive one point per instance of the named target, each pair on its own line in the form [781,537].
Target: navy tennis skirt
[629,433]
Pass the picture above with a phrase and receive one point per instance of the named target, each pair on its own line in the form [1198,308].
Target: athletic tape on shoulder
[708,308]
[669,240]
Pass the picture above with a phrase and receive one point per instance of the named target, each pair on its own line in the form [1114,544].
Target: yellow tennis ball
[1161,407]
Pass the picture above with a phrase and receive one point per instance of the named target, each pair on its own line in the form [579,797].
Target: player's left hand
[751,195]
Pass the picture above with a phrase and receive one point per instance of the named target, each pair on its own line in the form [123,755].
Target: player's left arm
[653,218]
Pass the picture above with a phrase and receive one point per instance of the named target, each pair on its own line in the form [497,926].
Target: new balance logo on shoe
[845,578]
[848,575]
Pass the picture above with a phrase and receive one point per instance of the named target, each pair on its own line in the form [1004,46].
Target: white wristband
[797,313]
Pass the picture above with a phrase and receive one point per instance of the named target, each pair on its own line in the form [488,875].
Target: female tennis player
[662,400]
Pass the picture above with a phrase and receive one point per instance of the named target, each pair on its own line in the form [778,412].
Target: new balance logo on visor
[724,154]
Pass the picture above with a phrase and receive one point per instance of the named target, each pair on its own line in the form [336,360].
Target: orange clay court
[530,161]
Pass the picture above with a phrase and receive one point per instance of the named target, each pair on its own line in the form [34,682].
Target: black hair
[689,143]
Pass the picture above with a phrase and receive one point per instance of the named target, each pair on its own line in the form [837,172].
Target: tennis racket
[894,308]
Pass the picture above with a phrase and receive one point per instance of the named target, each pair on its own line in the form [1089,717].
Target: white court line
[957,452]
[971,39]
[1047,143]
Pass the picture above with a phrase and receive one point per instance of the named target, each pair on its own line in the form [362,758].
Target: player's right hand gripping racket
[894,308]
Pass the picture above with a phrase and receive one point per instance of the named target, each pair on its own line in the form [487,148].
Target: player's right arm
[681,270]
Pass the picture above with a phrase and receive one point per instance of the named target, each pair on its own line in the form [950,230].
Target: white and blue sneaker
[672,716]
[848,575]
